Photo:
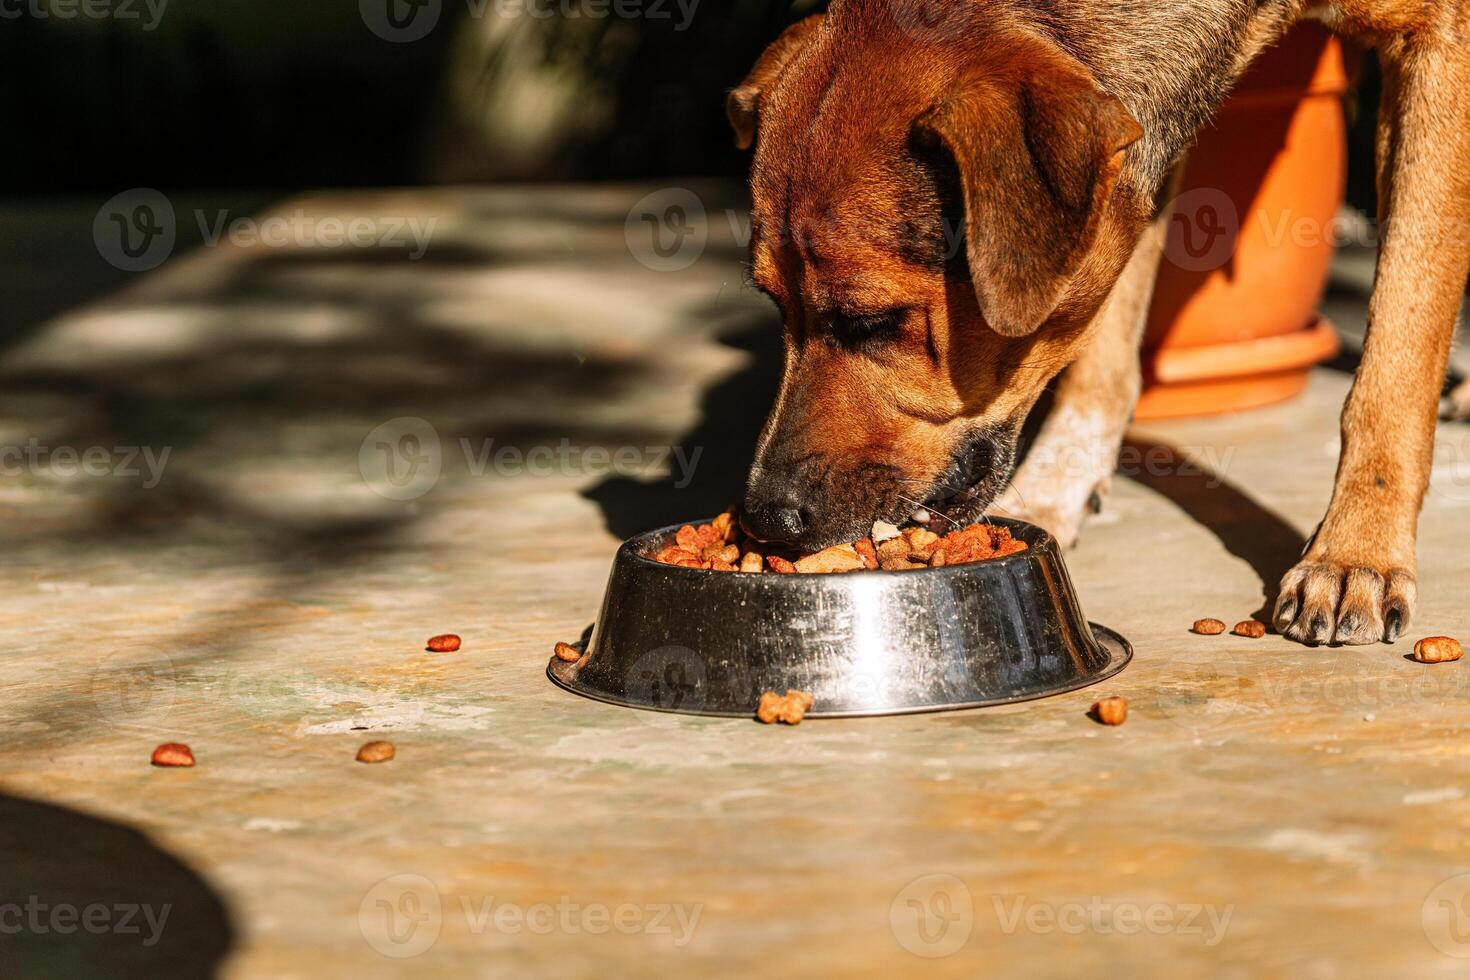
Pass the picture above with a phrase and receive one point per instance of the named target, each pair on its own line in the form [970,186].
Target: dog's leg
[1356,582]
[1069,469]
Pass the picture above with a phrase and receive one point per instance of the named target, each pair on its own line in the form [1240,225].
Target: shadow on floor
[1249,531]
[731,415]
[84,897]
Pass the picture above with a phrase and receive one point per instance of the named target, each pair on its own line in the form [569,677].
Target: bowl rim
[1045,542]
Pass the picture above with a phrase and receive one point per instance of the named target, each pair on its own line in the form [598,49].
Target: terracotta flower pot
[1234,322]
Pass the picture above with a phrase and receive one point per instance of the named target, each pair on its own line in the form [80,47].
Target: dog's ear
[743,104]
[1038,147]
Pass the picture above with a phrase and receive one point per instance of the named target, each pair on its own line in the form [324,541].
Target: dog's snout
[774,514]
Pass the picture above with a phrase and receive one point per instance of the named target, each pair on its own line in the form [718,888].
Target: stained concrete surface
[264,591]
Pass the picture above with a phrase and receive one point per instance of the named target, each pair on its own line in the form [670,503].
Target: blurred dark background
[284,94]
[281,94]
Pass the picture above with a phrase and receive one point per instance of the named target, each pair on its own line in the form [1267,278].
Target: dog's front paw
[1327,601]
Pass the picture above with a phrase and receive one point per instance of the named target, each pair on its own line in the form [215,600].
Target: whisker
[920,505]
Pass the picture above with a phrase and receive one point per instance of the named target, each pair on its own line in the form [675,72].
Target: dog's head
[938,220]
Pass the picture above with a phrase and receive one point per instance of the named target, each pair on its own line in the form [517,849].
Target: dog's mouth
[975,477]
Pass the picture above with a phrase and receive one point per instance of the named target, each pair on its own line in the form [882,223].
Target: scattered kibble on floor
[173,755]
[1111,710]
[376,752]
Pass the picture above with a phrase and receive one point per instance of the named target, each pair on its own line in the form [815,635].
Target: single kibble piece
[173,754]
[788,709]
[1251,628]
[567,652]
[376,752]
[1438,650]
[1208,627]
[1111,710]
[752,562]
[444,643]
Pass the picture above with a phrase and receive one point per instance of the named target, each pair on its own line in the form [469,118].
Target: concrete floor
[1267,810]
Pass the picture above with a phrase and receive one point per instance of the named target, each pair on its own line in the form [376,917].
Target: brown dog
[954,200]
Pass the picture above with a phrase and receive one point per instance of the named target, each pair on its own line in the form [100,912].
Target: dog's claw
[1327,602]
[1394,625]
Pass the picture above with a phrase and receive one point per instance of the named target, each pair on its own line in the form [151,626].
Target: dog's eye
[868,328]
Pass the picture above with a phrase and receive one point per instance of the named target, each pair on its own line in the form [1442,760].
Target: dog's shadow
[1249,530]
[714,457]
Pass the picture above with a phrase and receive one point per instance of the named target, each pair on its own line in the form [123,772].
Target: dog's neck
[1170,64]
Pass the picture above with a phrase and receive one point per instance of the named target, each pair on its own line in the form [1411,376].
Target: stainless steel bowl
[863,643]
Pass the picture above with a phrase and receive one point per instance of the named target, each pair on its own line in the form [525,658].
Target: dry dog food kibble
[720,546]
[446,643]
[1111,710]
[567,652]
[788,709]
[376,752]
[1251,628]
[1208,627]
[1438,650]
[173,754]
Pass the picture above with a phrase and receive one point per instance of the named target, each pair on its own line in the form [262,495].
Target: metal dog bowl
[863,643]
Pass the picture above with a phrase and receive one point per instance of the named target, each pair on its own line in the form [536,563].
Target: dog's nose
[774,516]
